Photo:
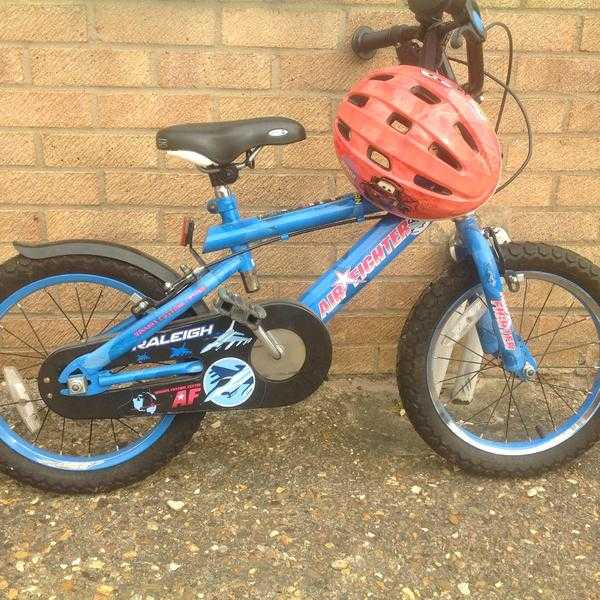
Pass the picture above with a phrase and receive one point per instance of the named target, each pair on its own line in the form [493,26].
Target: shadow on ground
[334,498]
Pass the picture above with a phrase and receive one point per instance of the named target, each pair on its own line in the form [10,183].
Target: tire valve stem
[540,431]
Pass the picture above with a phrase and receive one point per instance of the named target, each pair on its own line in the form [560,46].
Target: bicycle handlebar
[366,41]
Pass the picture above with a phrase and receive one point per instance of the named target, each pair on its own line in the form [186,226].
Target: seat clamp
[224,176]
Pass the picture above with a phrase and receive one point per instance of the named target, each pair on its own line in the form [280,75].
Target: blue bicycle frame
[325,297]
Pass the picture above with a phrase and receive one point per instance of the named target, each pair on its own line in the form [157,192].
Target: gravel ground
[334,498]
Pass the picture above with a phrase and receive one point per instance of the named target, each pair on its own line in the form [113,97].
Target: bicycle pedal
[238,309]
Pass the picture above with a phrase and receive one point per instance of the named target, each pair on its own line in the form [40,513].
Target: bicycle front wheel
[462,401]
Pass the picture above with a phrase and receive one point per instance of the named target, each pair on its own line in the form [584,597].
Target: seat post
[225,204]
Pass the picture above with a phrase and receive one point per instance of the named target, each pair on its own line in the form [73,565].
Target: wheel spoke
[510,399]
[540,313]
[536,337]
[466,348]
[94,308]
[5,404]
[569,348]
[64,313]
[84,334]
[129,427]
[62,435]
[521,417]
[570,389]
[114,318]
[460,360]
[37,337]
[496,404]
[42,426]
[4,328]
[31,366]
[470,418]
[523,310]
[553,388]
[90,437]
[474,373]
[546,401]
[112,425]
[554,336]
[19,355]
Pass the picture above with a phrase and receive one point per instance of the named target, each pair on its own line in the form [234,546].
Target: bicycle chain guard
[229,380]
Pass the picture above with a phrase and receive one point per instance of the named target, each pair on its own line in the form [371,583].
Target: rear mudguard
[125,254]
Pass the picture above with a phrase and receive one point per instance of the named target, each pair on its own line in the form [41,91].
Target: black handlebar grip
[366,41]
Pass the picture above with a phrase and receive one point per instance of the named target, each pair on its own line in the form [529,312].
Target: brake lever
[457,39]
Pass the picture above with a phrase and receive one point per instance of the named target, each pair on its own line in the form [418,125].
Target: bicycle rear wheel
[45,304]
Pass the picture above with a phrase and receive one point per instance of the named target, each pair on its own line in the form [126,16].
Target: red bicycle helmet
[416,145]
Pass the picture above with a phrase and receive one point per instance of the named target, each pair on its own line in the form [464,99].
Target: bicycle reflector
[187,232]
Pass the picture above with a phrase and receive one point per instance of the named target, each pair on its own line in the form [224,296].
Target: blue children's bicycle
[111,359]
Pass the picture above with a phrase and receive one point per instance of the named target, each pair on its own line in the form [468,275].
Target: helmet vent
[379,159]
[358,100]
[399,123]
[424,94]
[343,129]
[444,155]
[382,77]
[431,186]
[464,132]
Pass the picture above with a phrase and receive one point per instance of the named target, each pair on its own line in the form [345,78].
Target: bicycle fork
[494,328]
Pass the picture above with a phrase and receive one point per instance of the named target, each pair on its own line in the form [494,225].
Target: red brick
[16,149]
[48,187]
[559,74]
[11,65]
[331,71]
[98,149]
[19,225]
[288,260]
[316,152]
[353,360]
[582,190]
[152,110]
[558,153]
[33,108]
[162,189]
[313,112]
[93,66]
[280,28]
[156,23]
[126,227]
[555,226]
[43,23]
[215,69]
[555,32]
[382,329]
[282,191]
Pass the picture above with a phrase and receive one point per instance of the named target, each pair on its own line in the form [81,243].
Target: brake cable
[507,91]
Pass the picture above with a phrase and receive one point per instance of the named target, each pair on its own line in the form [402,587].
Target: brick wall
[84,85]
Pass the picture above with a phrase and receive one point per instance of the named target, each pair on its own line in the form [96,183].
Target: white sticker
[278,132]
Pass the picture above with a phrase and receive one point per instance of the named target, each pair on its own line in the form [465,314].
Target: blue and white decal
[228,339]
[229,382]
[177,336]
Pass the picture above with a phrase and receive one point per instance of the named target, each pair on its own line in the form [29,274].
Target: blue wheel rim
[55,460]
